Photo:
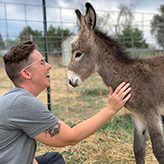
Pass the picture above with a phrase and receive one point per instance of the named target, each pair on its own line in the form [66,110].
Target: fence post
[46,49]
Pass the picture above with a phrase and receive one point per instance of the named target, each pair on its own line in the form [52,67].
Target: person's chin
[47,81]
[47,84]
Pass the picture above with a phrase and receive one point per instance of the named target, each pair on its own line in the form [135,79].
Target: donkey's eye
[78,54]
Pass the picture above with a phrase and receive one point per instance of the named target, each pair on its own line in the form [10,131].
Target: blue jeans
[50,158]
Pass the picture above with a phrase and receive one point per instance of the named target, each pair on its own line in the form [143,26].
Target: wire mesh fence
[26,22]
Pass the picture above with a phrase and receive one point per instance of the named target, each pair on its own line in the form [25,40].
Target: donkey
[94,51]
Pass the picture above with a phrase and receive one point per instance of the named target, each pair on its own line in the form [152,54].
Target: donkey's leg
[156,134]
[140,136]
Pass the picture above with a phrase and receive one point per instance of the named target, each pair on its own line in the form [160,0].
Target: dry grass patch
[112,144]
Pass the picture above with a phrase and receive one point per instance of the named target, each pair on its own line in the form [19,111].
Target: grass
[102,141]
[111,144]
[80,103]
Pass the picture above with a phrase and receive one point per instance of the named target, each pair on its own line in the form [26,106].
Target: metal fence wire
[52,29]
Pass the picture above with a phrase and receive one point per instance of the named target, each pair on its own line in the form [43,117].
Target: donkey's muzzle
[74,79]
[74,84]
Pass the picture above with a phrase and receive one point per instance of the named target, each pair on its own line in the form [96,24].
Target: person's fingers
[127,98]
[125,92]
[119,87]
[124,88]
[111,91]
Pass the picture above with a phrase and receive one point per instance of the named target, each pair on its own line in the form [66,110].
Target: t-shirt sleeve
[30,115]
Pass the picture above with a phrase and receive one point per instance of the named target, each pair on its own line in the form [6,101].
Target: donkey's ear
[90,17]
[80,18]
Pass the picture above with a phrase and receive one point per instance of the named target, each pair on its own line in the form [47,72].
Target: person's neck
[28,89]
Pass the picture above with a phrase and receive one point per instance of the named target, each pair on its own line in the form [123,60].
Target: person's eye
[42,62]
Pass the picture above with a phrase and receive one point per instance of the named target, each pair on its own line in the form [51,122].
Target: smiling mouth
[48,75]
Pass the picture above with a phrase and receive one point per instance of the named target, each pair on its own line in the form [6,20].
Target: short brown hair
[16,59]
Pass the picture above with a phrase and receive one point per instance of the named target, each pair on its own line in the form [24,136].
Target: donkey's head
[83,61]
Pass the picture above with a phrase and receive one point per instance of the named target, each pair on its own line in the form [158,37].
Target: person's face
[39,71]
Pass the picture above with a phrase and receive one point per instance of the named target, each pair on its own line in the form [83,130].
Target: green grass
[78,157]
[110,129]
[111,144]
[124,122]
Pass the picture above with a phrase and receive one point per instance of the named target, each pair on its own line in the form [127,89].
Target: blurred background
[52,24]
[52,27]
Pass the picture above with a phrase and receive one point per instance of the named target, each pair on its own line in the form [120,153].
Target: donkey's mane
[121,53]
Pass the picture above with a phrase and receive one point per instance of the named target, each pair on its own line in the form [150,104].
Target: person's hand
[117,98]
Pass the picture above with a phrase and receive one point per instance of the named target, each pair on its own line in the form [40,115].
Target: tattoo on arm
[53,130]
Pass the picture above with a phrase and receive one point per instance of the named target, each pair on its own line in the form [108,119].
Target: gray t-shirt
[22,116]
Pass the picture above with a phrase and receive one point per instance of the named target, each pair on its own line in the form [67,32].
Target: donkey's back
[147,80]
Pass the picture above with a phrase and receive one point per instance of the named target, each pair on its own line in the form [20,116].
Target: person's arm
[35,161]
[61,134]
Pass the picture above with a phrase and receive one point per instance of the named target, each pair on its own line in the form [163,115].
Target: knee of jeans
[57,155]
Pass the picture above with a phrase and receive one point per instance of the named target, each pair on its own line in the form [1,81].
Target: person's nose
[49,66]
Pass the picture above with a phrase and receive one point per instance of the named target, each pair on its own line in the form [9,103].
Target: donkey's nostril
[70,82]
[74,83]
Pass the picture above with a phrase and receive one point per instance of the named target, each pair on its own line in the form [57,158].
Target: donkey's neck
[114,61]
[114,72]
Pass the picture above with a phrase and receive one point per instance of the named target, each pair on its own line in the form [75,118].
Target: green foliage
[12,42]
[2,45]
[28,32]
[129,34]
[55,37]
[157,26]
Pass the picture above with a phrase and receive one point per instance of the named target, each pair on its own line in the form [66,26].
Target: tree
[125,16]
[2,45]
[29,34]
[104,22]
[132,38]
[11,42]
[55,37]
[157,26]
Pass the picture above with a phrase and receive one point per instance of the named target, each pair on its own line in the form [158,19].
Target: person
[24,119]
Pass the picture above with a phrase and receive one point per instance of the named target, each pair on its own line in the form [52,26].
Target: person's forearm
[71,136]
[35,161]
[90,126]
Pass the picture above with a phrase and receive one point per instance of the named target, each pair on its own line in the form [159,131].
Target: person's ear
[26,74]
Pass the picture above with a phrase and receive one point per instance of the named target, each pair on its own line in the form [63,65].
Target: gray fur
[103,54]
